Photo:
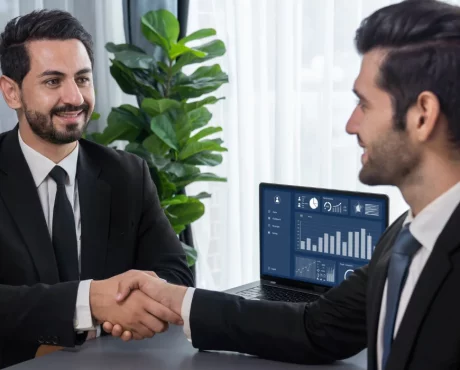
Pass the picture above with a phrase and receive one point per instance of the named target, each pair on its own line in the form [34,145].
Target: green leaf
[160,27]
[180,169]
[213,49]
[199,117]
[162,126]
[95,116]
[202,195]
[200,146]
[112,48]
[166,189]
[151,159]
[197,35]
[181,183]
[183,129]
[178,199]
[197,104]
[177,50]
[154,107]
[122,124]
[204,80]
[124,77]
[185,213]
[135,59]
[153,144]
[205,132]
[204,159]
[190,253]
[129,83]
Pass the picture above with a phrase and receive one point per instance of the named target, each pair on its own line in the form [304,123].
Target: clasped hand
[136,304]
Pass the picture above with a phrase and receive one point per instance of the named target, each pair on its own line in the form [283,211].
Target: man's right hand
[138,314]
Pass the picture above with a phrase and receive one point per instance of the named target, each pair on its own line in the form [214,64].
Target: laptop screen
[315,235]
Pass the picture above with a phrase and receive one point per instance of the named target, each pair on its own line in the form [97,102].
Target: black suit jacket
[345,320]
[122,227]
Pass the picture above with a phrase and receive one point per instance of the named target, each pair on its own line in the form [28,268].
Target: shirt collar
[40,166]
[429,223]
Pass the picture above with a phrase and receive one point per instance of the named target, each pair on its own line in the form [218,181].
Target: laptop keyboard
[277,294]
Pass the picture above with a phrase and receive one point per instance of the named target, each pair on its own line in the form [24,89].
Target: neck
[54,152]
[425,185]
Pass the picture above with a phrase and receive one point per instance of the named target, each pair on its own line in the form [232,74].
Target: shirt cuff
[83,320]
[185,312]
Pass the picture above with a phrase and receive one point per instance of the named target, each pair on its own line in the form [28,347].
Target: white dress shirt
[425,227]
[40,167]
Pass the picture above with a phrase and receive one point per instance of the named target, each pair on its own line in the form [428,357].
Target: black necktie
[64,234]
[403,250]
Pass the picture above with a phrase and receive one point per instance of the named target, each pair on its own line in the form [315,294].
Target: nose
[352,126]
[71,94]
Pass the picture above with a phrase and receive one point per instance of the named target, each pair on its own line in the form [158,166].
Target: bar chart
[338,236]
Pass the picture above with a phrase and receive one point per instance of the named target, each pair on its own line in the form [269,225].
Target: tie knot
[59,175]
[406,243]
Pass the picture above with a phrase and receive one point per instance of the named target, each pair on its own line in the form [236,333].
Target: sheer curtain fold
[291,67]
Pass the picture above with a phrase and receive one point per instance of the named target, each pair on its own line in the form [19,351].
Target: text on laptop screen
[318,236]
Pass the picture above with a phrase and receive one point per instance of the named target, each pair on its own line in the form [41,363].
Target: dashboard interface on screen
[318,236]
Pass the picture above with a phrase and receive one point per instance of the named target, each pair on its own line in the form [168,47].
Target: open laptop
[311,239]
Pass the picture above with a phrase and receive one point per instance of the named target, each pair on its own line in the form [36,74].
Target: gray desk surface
[169,350]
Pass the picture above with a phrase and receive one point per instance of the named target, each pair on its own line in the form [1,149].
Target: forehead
[67,56]
[370,66]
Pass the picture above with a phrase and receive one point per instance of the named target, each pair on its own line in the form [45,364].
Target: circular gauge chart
[347,274]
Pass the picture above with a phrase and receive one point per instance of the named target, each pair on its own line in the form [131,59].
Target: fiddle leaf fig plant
[171,127]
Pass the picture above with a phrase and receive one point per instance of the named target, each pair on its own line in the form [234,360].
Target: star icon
[358,208]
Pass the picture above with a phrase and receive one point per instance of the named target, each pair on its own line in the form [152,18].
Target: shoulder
[110,158]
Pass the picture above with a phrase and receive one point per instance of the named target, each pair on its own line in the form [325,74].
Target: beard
[43,126]
[390,160]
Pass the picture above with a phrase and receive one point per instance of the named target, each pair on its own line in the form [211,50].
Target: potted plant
[170,128]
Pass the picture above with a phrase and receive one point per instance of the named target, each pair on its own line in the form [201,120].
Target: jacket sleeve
[159,248]
[40,313]
[332,328]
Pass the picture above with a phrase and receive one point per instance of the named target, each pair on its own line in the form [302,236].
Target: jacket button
[41,340]
[55,340]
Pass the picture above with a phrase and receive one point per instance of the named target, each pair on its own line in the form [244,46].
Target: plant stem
[168,84]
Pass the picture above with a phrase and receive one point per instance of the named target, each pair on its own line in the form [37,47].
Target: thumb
[151,273]
[125,287]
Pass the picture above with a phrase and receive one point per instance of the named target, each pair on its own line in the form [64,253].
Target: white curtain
[291,66]
[103,19]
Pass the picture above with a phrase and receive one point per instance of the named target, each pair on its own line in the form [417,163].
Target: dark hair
[423,42]
[37,25]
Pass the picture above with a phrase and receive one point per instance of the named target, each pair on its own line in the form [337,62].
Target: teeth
[68,114]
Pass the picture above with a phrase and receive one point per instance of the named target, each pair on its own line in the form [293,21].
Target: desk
[166,351]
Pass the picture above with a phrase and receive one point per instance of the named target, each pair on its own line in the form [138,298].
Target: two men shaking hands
[136,304]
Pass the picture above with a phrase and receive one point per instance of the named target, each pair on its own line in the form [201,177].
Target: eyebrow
[59,73]
[359,95]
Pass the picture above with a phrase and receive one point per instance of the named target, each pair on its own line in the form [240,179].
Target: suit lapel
[433,275]
[376,286]
[20,195]
[94,195]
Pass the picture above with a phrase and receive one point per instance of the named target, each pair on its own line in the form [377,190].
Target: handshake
[136,304]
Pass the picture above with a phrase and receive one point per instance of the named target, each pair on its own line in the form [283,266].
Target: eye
[83,80]
[52,82]
[360,104]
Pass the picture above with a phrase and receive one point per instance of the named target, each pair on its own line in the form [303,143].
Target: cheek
[88,96]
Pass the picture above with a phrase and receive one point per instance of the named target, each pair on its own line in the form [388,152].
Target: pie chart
[313,203]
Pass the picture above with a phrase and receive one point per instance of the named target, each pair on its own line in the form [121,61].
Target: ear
[424,116]
[11,92]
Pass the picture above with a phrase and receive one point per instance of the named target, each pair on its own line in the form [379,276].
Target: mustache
[70,108]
